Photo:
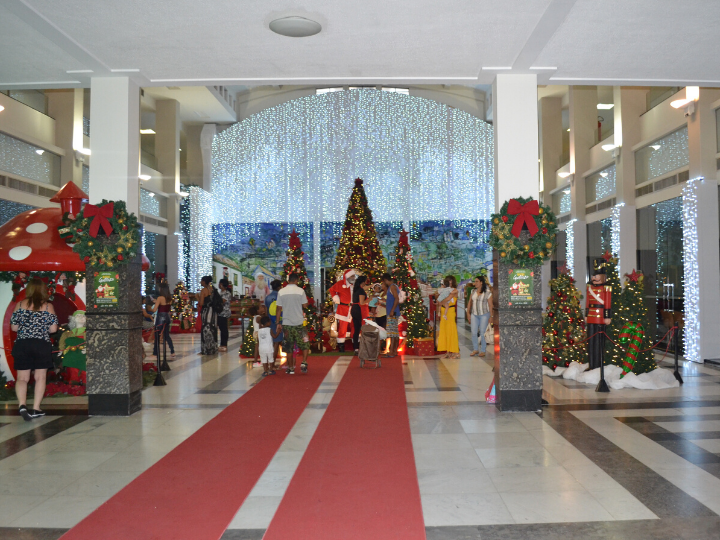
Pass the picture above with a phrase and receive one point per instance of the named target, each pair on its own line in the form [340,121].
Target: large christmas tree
[359,246]
[613,353]
[295,264]
[413,308]
[563,324]
[635,311]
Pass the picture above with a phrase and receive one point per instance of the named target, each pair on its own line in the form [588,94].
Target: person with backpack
[210,305]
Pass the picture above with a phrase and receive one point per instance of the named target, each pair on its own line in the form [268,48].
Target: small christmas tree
[295,264]
[359,246]
[613,353]
[181,309]
[635,311]
[248,345]
[563,324]
[413,308]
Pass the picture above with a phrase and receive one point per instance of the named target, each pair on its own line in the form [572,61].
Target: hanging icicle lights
[691,277]
[419,159]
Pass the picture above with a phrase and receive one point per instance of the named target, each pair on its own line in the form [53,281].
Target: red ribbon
[101,214]
[525,213]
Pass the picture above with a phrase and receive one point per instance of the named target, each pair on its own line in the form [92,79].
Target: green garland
[538,248]
[102,251]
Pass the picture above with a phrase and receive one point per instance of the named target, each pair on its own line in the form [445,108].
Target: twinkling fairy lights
[200,263]
[570,246]
[419,159]
[691,277]
[662,156]
[615,231]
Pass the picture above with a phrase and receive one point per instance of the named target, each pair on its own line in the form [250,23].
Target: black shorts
[32,354]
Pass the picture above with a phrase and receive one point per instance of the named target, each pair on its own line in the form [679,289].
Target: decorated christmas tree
[181,307]
[295,264]
[413,308]
[634,311]
[613,353]
[248,344]
[563,324]
[359,246]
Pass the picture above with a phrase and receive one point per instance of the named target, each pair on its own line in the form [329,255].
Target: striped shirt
[479,302]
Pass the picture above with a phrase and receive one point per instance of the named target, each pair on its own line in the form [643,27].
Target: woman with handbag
[478,314]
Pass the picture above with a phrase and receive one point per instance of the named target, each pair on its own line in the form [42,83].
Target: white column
[167,152]
[583,124]
[66,107]
[702,276]
[515,116]
[115,141]
[206,138]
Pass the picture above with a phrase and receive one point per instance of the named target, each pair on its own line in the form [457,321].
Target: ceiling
[187,42]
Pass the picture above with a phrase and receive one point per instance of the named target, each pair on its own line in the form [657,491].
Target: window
[29,161]
[662,156]
[320,91]
[153,204]
[600,185]
[561,201]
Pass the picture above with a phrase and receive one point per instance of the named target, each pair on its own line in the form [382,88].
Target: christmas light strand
[201,250]
[570,246]
[615,231]
[691,277]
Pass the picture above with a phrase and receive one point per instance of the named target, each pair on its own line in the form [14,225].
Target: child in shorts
[444,293]
[266,348]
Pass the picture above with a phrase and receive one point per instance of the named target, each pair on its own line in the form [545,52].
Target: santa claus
[260,288]
[341,294]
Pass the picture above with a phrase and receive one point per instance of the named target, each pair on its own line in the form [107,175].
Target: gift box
[424,346]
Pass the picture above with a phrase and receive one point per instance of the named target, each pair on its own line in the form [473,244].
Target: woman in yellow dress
[448,335]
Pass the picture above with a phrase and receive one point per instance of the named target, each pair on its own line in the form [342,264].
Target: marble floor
[630,464]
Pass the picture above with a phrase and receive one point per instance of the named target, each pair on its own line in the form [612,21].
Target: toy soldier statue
[597,315]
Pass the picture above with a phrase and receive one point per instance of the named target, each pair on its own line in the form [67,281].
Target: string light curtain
[201,250]
[691,277]
[296,162]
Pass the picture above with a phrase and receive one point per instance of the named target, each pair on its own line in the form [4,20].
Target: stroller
[369,345]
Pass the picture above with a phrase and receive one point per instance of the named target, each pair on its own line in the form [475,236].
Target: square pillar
[167,152]
[115,141]
[518,366]
[700,200]
[66,107]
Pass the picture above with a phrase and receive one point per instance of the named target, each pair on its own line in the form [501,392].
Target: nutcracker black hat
[599,266]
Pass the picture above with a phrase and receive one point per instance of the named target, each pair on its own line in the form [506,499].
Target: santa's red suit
[341,294]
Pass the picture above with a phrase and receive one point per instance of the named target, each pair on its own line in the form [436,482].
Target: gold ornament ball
[548,245]
[544,220]
[541,254]
[90,243]
[119,250]
[540,210]
[500,236]
[496,221]
[120,220]
[503,254]
[526,247]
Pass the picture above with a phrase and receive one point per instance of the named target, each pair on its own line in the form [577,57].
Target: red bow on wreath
[101,214]
[525,213]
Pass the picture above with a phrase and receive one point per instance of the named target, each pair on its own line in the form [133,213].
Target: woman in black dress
[359,309]
[208,318]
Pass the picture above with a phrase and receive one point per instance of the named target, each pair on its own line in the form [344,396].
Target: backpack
[216,301]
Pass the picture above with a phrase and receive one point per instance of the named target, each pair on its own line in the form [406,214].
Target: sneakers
[36,414]
[303,367]
[264,374]
[272,372]
[25,413]
[291,372]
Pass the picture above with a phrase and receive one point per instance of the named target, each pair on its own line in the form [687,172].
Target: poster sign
[106,289]
[521,287]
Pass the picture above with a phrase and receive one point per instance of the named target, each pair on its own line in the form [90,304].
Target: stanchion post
[165,365]
[159,380]
[676,345]
[602,385]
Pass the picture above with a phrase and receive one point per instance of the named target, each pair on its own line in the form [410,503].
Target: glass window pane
[561,201]
[10,209]
[662,156]
[23,159]
[600,185]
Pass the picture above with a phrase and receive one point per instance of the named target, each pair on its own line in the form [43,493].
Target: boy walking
[265,346]
[291,301]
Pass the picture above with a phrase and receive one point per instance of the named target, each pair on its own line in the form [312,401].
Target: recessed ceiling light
[151,194]
[563,174]
[84,151]
[655,146]
[39,151]
[2,108]
[605,106]
[608,147]
[144,177]
[295,27]
[147,131]
[568,129]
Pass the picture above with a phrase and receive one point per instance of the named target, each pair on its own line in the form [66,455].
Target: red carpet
[357,479]
[194,492]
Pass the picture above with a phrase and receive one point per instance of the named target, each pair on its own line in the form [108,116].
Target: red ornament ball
[79,230]
[120,257]
[531,255]
[125,228]
[86,259]
[505,219]
[544,230]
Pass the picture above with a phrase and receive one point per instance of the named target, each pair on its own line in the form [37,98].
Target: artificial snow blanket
[657,379]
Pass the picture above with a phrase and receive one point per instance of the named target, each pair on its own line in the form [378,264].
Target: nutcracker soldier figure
[341,293]
[598,310]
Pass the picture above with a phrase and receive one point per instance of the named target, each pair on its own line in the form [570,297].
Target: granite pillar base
[518,366]
[114,345]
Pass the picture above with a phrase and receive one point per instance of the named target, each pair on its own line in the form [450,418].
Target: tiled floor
[629,464]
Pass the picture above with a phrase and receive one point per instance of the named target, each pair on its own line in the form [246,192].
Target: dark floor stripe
[659,495]
[227,379]
[441,375]
[41,433]
[54,409]
[13,533]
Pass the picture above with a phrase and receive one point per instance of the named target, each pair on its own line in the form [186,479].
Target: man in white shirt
[291,301]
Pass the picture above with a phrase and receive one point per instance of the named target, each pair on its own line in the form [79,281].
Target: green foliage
[413,308]
[359,247]
[633,310]
[613,353]
[538,248]
[563,324]
[248,345]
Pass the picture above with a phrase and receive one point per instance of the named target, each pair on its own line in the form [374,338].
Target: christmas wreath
[521,214]
[110,218]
